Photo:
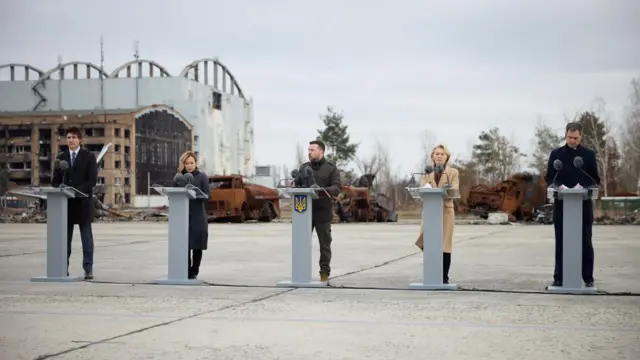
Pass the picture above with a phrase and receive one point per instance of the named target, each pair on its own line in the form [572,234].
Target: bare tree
[631,139]
[372,164]
[299,155]
[367,165]
[427,143]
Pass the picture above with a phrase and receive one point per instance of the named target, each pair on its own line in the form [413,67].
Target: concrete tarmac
[500,312]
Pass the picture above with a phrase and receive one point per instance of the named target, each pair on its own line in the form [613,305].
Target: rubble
[102,213]
[544,215]
[628,219]
[498,218]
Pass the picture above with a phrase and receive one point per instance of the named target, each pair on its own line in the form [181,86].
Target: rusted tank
[234,200]
[517,196]
[358,203]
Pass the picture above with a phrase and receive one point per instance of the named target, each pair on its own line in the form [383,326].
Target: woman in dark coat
[198,225]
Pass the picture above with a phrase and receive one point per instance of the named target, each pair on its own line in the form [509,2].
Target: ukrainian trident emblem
[300,203]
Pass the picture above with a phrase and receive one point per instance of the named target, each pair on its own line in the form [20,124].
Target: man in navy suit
[82,175]
[570,176]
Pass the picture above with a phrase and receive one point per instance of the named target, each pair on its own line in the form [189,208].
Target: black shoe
[557,283]
[192,274]
[88,275]
[589,284]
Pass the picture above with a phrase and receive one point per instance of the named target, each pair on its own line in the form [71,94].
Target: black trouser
[194,265]
[446,265]
[587,244]
[86,236]
[323,229]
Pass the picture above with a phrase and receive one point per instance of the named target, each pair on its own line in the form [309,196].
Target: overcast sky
[394,68]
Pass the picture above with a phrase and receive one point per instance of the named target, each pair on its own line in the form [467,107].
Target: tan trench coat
[448,216]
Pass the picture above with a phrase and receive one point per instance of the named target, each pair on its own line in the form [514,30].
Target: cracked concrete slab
[367,314]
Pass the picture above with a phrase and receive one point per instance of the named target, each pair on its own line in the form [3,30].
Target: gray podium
[301,248]
[57,216]
[432,232]
[178,235]
[572,238]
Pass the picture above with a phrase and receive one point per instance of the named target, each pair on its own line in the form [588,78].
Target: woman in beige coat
[442,176]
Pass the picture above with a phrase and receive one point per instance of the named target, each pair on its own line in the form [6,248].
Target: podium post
[432,233]
[178,235]
[57,223]
[301,249]
[572,238]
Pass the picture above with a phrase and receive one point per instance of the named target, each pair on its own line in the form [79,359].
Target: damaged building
[145,144]
[149,116]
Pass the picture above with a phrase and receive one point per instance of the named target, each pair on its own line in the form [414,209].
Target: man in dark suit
[82,175]
[570,176]
[326,175]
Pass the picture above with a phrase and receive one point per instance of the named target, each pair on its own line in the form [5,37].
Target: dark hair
[573,126]
[320,144]
[75,131]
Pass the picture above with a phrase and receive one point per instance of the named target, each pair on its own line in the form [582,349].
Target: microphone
[179,180]
[578,162]
[295,175]
[188,177]
[307,177]
[64,166]
[428,169]
[557,165]
[440,170]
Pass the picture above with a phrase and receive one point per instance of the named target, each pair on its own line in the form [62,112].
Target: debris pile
[544,215]
[628,219]
[37,214]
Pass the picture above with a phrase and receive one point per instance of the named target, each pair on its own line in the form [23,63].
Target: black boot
[190,267]
[195,268]
[446,264]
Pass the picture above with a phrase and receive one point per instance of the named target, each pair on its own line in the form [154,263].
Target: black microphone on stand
[578,162]
[310,181]
[428,169]
[440,170]
[308,176]
[179,180]
[557,165]
[188,177]
[295,175]
[64,166]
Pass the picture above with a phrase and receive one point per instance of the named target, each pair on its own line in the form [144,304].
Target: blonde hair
[444,148]
[183,158]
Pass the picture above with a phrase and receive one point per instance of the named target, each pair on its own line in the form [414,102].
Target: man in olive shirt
[326,175]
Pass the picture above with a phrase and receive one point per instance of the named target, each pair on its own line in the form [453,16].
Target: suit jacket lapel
[432,180]
[445,178]
[78,157]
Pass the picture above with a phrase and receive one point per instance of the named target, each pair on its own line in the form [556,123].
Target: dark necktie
[73,158]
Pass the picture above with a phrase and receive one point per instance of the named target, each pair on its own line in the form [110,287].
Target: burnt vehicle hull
[233,200]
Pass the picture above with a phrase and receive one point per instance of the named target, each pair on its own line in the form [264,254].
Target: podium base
[310,284]
[422,286]
[569,290]
[178,282]
[61,279]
